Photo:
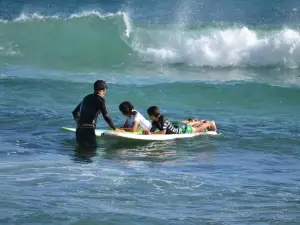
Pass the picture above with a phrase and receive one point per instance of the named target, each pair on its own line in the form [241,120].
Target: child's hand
[147,132]
[118,130]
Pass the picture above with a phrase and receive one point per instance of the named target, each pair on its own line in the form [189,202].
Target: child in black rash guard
[162,123]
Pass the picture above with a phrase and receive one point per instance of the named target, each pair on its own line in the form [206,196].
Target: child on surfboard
[196,123]
[135,121]
[164,126]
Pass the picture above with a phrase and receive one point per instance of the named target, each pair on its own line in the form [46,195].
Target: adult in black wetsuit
[86,114]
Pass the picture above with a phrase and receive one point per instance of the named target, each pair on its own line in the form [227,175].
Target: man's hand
[147,132]
[76,119]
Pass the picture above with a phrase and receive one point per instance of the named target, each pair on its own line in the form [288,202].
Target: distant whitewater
[91,40]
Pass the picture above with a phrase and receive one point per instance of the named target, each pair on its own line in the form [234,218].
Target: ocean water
[235,62]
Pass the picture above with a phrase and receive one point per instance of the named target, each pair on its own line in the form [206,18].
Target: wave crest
[91,39]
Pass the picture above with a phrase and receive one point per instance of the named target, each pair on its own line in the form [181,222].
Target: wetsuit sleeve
[76,111]
[164,123]
[106,115]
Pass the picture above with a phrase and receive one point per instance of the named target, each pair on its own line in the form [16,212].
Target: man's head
[153,113]
[100,87]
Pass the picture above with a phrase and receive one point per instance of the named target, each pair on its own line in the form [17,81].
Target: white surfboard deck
[98,132]
[134,136]
[153,137]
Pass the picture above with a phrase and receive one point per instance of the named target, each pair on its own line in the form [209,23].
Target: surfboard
[98,132]
[153,137]
[108,134]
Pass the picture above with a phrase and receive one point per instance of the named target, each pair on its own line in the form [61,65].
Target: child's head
[153,113]
[127,109]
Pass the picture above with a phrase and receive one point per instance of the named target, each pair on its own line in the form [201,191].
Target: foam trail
[9,50]
[94,13]
[35,16]
[128,24]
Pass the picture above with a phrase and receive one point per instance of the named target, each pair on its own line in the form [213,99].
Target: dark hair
[99,85]
[153,111]
[126,108]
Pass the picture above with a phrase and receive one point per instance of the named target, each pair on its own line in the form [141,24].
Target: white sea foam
[34,16]
[225,48]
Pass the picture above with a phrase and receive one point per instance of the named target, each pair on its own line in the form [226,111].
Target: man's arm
[76,112]
[106,115]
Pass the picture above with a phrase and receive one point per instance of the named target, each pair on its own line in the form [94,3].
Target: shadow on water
[77,153]
[141,150]
[84,155]
[124,150]
[108,149]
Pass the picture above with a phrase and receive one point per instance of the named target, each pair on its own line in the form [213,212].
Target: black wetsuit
[86,114]
[164,124]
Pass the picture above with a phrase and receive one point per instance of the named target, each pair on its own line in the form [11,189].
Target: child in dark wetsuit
[162,123]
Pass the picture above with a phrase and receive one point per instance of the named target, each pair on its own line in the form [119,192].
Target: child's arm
[126,125]
[133,129]
[153,131]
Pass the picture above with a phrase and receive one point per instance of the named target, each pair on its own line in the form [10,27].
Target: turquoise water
[235,63]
